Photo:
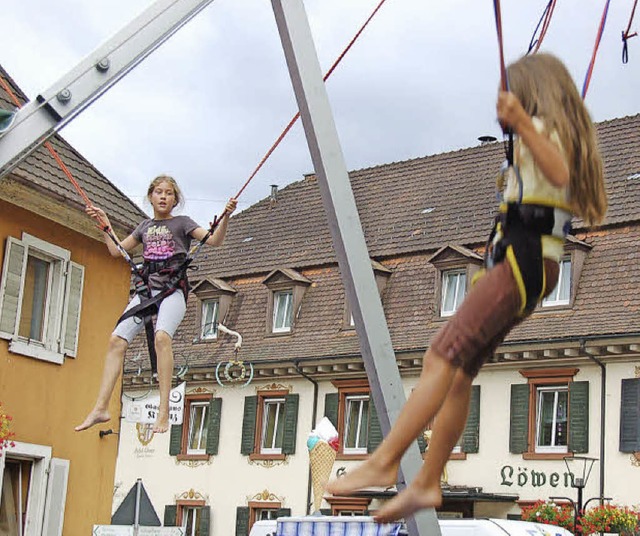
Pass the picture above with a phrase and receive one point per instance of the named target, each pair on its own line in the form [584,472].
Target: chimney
[484,140]
[274,194]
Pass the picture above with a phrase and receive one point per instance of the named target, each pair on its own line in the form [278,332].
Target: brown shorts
[485,317]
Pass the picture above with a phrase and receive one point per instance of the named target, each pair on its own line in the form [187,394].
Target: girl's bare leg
[424,491]
[112,367]
[381,468]
[165,372]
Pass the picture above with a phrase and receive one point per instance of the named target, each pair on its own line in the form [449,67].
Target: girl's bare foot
[409,501]
[370,473]
[95,417]
[162,423]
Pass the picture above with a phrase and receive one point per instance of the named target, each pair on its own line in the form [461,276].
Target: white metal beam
[39,119]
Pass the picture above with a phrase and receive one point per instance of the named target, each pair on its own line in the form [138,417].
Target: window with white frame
[356,424]
[282,311]
[454,283]
[561,294]
[263,514]
[40,299]
[191,521]
[551,418]
[198,427]
[33,488]
[209,316]
[272,426]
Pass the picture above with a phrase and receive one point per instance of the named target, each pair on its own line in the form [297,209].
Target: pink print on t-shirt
[158,243]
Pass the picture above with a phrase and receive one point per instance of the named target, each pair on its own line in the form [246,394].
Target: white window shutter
[72,308]
[11,285]
[56,497]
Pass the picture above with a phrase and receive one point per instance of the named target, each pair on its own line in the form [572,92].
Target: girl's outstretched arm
[217,238]
[101,217]
[546,154]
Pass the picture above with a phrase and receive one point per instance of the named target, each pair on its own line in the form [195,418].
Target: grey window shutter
[630,415]
[56,497]
[331,401]
[374,435]
[326,511]
[15,262]
[519,429]
[175,440]
[205,520]
[291,403]
[170,515]
[471,434]
[579,417]
[283,512]
[72,308]
[213,427]
[247,443]
[242,521]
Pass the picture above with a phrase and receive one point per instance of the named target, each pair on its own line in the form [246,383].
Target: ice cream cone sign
[323,446]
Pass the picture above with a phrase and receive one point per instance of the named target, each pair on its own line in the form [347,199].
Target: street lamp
[579,468]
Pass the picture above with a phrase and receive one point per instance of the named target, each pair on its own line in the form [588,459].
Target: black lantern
[579,468]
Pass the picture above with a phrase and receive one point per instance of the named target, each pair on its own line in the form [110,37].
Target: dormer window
[215,297]
[286,289]
[282,311]
[561,295]
[382,274]
[564,294]
[455,267]
[209,319]
[454,285]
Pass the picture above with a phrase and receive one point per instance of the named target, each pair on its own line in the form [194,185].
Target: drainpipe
[603,407]
[314,415]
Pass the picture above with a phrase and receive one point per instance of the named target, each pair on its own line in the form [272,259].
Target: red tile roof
[41,171]
[459,188]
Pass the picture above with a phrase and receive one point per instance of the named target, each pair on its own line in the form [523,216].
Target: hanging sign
[145,411]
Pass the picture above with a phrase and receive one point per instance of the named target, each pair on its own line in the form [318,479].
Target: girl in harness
[558,174]
[165,240]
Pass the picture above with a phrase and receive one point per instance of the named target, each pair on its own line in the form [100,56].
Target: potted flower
[5,431]
[609,518]
[549,513]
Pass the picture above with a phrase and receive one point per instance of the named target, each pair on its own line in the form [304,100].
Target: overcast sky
[205,107]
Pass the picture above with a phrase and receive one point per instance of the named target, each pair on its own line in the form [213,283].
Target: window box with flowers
[549,513]
[610,518]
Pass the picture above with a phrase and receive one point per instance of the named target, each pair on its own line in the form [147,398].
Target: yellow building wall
[47,400]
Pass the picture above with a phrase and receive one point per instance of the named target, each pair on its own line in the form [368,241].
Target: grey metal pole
[136,514]
[346,231]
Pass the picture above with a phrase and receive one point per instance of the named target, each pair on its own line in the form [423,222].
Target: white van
[451,527]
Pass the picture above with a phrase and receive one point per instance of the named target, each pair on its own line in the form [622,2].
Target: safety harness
[516,238]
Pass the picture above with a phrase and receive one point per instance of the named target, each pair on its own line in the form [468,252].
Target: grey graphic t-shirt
[162,240]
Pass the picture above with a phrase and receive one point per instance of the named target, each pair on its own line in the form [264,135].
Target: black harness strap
[522,227]
[149,305]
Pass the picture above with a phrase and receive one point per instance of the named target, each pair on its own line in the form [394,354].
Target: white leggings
[170,314]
